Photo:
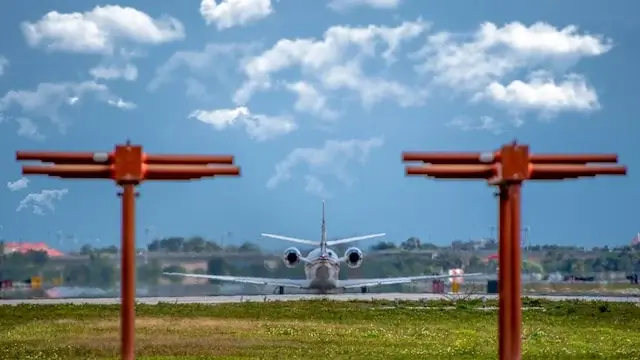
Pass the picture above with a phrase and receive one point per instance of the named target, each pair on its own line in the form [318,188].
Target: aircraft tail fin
[323,235]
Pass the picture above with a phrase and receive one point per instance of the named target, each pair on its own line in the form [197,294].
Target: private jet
[321,267]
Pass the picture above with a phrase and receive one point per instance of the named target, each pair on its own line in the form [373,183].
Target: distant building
[24,247]
[636,240]
[492,257]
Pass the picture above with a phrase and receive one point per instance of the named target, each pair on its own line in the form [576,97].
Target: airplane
[321,266]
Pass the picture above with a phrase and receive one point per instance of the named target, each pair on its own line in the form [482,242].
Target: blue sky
[317,100]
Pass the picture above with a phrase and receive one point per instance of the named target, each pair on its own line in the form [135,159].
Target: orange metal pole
[128,166]
[516,272]
[504,273]
[516,165]
[128,269]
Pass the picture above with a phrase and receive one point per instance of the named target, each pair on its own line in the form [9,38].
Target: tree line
[100,271]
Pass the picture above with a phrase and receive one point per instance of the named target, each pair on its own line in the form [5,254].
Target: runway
[213,300]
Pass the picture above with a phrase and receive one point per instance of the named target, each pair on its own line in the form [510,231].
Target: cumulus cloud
[4,63]
[335,62]
[226,14]
[127,72]
[257,126]
[542,92]
[333,159]
[492,52]
[315,186]
[121,104]
[343,5]
[214,60]
[99,31]
[47,99]
[490,62]
[483,123]
[310,100]
[19,184]
[27,128]
[42,201]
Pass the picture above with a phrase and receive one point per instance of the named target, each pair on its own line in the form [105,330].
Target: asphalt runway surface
[213,300]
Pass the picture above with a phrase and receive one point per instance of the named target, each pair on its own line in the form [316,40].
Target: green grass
[309,329]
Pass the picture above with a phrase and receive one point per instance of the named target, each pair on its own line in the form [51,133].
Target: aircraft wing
[357,283]
[291,283]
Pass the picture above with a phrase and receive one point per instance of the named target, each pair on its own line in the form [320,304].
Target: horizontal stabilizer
[352,239]
[295,240]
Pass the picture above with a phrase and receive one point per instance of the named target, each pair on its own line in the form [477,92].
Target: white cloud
[4,63]
[41,201]
[214,59]
[27,128]
[310,100]
[98,30]
[48,98]
[472,61]
[372,90]
[315,186]
[128,72]
[342,5]
[257,126]
[121,104]
[318,58]
[229,13]
[19,184]
[196,89]
[333,159]
[542,92]
[484,123]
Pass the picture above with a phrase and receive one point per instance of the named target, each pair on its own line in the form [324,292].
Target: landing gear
[281,290]
[364,290]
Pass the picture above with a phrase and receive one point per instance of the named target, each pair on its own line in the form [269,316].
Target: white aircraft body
[321,267]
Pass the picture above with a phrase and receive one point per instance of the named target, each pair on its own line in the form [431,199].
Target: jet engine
[353,257]
[291,257]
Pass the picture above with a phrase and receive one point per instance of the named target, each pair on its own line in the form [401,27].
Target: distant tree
[37,258]
[98,272]
[249,247]
[383,245]
[218,266]
[108,250]
[86,249]
[176,244]
[150,272]
[411,243]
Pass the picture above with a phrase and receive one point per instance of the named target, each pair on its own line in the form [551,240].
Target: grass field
[566,288]
[310,329]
